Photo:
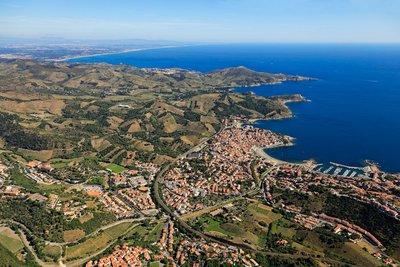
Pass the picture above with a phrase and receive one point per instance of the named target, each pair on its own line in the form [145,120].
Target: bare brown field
[170,124]
[190,139]
[114,122]
[100,143]
[52,250]
[203,102]
[42,155]
[129,159]
[160,159]
[89,216]
[161,107]
[30,124]
[208,119]
[55,76]
[210,128]
[196,127]
[10,240]
[167,139]
[39,107]
[73,235]
[135,127]
[2,143]
[93,108]
[98,242]
[143,145]
[20,96]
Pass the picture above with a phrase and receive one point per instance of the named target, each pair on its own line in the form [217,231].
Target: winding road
[159,200]
[61,263]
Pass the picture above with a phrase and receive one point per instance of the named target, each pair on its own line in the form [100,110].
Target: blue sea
[354,113]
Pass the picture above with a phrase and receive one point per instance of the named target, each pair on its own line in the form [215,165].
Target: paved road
[159,200]
[176,218]
[30,248]
[80,262]
[77,262]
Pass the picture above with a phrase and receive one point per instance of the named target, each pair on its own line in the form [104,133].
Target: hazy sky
[205,20]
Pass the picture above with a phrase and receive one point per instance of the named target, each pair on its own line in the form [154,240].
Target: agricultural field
[154,234]
[98,242]
[52,252]
[198,213]
[73,235]
[259,226]
[82,120]
[8,259]
[312,242]
[242,221]
[69,111]
[10,240]
[154,264]
[214,227]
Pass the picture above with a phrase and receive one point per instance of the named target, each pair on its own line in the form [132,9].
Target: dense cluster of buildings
[11,191]
[308,222]
[123,256]
[129,201]
[223,168]
[225,254]
[167,237]
[134,195]
[38,172]
[142,175]
[185,251]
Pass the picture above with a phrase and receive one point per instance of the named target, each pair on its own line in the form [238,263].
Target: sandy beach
[115,53]
[259,151]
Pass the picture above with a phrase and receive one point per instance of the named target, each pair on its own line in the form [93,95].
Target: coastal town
[224,168]
[204,184]
[200,133]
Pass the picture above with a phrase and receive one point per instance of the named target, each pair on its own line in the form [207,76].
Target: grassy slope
[7,259]
[97,242]
[10,240]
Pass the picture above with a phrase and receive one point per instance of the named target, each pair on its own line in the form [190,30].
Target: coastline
[114,53]
[260,151]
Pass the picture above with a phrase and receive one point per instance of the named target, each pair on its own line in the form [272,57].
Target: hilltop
[243,77]
[121,113]
[106,79]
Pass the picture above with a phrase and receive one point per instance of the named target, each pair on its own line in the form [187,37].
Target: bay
[354,113]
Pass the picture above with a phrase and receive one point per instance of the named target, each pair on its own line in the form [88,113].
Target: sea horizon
[352,115]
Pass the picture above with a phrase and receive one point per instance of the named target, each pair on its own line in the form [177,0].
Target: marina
[342,171]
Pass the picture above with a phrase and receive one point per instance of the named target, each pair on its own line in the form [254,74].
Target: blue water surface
[354,113]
